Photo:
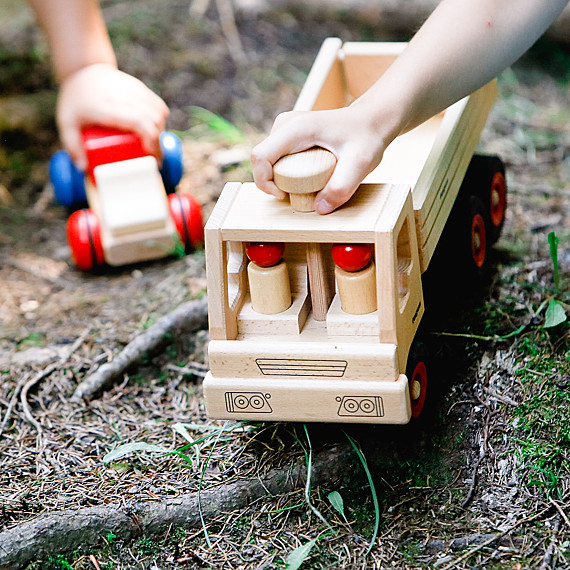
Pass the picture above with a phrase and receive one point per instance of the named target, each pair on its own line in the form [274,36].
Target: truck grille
[300,367]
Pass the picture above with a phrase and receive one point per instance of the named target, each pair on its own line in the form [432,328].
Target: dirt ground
[481,481]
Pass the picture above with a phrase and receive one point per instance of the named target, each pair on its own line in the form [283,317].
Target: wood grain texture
[222,317]
[308,399]
[325,86]
[256,216]
[370,361]
[303,174]
[320,287]
[340,323]
[357,290]
[269,288]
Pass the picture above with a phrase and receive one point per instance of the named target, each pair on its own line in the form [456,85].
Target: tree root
[68,530]
[190,316]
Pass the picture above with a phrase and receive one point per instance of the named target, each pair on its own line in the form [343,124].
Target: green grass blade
[218,124]
[553,242]
[206,463]
[372,490]
[297,557]
[309,459]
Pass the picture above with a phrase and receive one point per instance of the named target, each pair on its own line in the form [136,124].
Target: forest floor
[482,480]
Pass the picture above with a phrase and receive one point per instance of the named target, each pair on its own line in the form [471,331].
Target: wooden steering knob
[303,174]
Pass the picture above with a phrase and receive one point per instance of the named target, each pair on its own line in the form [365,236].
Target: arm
[92,89]
[462,46]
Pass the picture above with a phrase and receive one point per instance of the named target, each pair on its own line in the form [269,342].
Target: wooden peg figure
[356,277]
[269,285]
[302,175]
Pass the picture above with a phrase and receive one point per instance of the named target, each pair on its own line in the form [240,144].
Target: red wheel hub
[418,383]
[186,213]
[498,199]
[84,239]
[478,240]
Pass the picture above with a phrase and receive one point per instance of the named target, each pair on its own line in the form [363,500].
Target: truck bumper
[308,400]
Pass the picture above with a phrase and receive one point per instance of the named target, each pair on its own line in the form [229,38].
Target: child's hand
[348,133]
[100,94]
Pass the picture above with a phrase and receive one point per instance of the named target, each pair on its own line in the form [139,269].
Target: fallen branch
[188,317]
[68,530]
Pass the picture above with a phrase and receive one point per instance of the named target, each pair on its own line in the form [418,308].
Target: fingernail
[323,207]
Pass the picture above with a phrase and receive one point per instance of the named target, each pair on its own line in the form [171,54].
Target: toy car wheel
[67,180]
[478,241]
[186,213]
[172,160]
[417,373]
[84,239]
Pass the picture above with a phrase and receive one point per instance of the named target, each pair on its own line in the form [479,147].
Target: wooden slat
[366,62]
[256,216]
[324,87]
[222,319]
[361,361]
[431,240]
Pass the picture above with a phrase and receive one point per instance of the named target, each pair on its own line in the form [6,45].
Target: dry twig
[229,28]
[46,372]
[190,316]
[12,403]
[496,537]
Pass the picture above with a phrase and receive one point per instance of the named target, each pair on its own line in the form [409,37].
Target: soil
[458,478]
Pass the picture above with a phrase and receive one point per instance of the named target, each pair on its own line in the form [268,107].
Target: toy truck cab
[306,362]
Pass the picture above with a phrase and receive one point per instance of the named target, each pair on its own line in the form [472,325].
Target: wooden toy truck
[314,357]
[134,214]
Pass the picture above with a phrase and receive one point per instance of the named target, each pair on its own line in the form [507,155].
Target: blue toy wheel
[67,180]
[172,166]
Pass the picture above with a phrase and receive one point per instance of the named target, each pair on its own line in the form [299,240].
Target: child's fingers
[139,119]
[280,143]
[263,157]
[71,139]
[347,176]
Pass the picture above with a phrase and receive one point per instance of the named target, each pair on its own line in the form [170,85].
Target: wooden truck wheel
[186,213]
[485,178]
[417,373]
[498,203]
[84,239]
[478,241]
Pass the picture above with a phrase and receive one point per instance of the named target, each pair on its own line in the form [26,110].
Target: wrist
[87,69]
[385,120]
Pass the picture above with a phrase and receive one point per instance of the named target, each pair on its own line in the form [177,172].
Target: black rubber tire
[485,178]
[417,369]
